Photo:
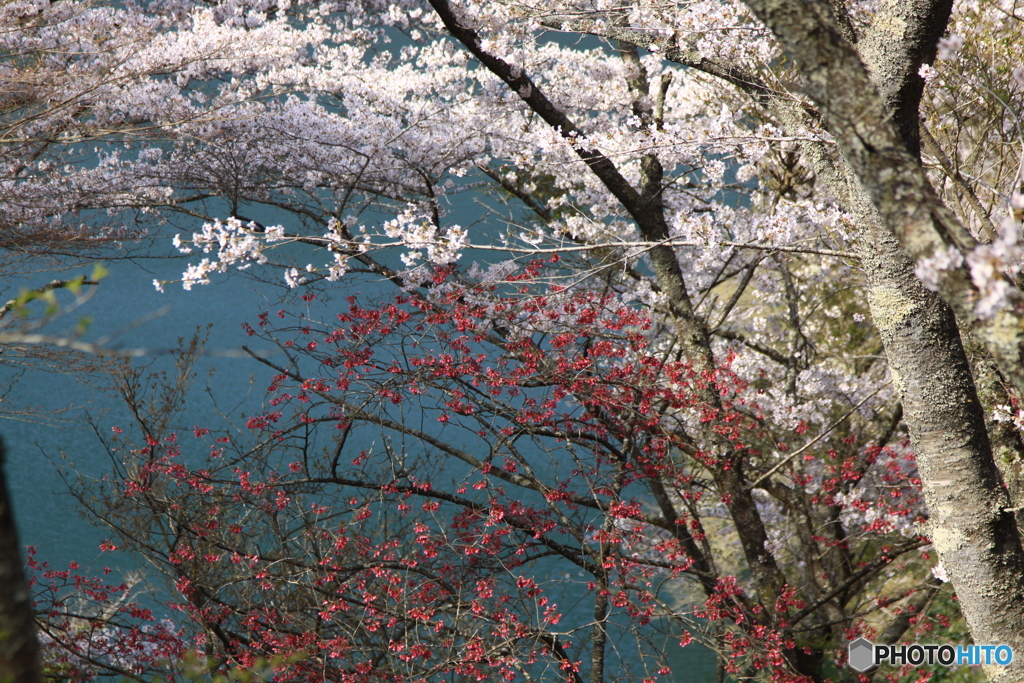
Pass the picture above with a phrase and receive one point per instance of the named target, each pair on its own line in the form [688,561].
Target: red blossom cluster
[562,457]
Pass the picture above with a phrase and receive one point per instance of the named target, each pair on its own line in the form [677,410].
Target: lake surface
[125,298]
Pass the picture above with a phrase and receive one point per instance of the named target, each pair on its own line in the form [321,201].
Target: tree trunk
[19,650]
[975,537]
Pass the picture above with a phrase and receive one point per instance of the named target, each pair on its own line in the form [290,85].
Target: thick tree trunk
[975,535]
[19,651]
[965,496]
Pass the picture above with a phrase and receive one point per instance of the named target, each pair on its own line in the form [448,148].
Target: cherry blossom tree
[690,214]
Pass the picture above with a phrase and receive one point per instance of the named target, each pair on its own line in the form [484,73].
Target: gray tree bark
[19,650]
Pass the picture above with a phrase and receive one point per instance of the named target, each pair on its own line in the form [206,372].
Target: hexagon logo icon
[861,653]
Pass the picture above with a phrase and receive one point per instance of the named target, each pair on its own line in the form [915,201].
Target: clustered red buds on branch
[556,439]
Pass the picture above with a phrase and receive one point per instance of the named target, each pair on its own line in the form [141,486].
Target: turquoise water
[125,298]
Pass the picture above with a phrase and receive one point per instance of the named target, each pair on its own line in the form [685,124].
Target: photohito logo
[864,654]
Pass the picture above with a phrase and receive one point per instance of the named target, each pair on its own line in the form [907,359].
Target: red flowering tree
[516,482]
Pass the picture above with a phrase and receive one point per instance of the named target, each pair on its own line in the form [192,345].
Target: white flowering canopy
[357,129]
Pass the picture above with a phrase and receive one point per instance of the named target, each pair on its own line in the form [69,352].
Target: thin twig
[816,439]
[49,287]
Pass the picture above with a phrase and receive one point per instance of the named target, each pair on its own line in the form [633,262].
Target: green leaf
[76,285]
[51,302]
